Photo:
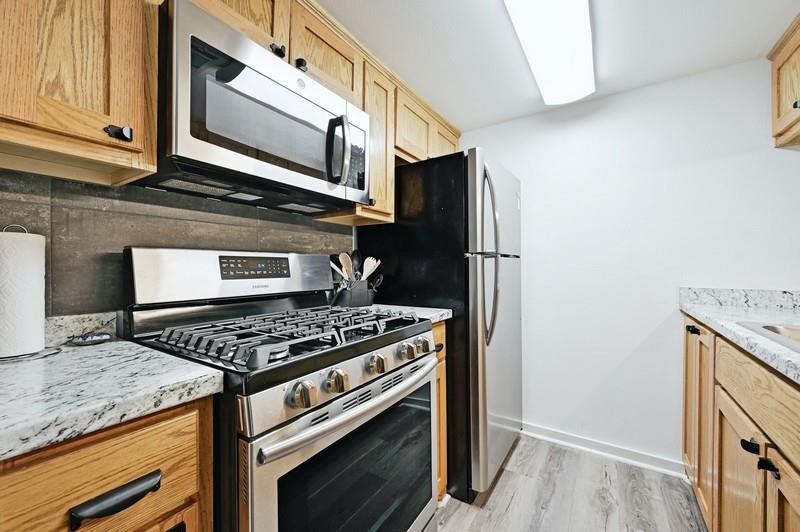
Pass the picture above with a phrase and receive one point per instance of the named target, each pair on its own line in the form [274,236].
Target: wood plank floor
[548,488]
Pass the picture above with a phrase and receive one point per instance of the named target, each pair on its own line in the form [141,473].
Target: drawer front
[38,494]
[439,337]
[770,400]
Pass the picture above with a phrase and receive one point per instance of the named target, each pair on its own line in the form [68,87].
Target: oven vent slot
[397,379]
[319,419]
[363,397]
[413,370]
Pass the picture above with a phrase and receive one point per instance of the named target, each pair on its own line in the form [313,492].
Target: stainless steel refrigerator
[455,243]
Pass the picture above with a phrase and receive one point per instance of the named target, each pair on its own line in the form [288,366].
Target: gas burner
[260,340]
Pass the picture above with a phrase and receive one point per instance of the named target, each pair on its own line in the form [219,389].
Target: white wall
[625,199]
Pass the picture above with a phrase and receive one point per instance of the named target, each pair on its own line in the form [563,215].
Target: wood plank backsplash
[88,225]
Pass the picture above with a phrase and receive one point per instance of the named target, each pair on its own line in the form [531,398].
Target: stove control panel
[242,267]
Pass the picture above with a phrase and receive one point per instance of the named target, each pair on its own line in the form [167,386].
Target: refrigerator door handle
[493,321]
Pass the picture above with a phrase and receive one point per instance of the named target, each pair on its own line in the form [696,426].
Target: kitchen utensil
[370,265]
[338,270]
[347,266]
[355,256]
[377,282]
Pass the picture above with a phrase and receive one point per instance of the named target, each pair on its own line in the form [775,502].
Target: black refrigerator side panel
[423,264]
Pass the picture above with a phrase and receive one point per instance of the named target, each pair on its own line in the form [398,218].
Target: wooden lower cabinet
[699,414]
[783,495]
[739,486]
[441,398]
[39,489]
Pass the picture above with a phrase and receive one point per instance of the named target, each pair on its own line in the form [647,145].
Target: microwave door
[357,182]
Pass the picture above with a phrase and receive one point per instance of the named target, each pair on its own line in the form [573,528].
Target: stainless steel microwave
[237,123]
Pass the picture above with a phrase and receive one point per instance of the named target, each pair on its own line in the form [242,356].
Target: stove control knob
[302,395]
[407,351]
[423,345]
[376,364]
[337,381]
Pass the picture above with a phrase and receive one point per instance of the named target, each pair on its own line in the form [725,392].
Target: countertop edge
[776,356]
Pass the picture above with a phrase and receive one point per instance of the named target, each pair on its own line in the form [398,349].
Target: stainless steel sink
[787,335]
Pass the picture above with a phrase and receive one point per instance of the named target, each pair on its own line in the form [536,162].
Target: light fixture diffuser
[556,37]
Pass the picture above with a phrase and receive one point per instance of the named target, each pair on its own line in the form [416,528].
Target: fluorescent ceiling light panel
[556,37]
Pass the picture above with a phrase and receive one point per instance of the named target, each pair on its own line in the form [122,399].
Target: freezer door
[494,206]
[496,359]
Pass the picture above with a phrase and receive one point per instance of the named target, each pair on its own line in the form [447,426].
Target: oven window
[378,477]
[239,109]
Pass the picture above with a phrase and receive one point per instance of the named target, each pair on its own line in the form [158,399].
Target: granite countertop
[722,310]
[434,314]
[83,389]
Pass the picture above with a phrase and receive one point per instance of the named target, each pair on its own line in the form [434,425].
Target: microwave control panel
[238,267]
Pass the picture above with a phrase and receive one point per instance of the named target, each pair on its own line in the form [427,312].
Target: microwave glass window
[378,477]
[239,109]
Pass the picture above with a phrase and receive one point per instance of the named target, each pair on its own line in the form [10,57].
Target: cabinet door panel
[264,21]
[414,127]
[443,142]
[739,486]
[18,60]
[705,423]
[783,496]
[379,103]
[330,59]
[691,370]
[90,68]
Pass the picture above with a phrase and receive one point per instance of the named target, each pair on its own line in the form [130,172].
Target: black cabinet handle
[691,329]
[119,133]
[301,64]
[751,446]
[768,465]
[280,51]
[180,527]
[439,348]
[796,104]
[115,500]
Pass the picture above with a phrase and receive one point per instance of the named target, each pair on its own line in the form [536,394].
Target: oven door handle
[286,447]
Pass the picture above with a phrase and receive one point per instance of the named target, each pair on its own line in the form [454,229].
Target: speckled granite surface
[59,330]
[84,389]
[433,314]
[724,310]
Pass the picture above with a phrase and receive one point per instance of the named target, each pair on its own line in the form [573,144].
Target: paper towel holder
[15,225]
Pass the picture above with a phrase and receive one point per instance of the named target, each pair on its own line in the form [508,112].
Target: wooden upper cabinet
[443,141]
[330,59]
[783,495]
[414,131]
[785,57]
[264,21]
[379,95]
[739,487]
[70,69]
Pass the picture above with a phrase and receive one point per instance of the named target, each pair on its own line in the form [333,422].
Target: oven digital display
[237,267]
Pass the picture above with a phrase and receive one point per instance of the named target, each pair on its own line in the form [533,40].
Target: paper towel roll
[21,293]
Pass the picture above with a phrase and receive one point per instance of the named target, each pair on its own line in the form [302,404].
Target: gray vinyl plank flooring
[548,488]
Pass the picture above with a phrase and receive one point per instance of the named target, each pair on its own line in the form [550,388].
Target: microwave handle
[329,139]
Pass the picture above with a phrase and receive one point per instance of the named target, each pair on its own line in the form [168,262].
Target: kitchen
[273,265]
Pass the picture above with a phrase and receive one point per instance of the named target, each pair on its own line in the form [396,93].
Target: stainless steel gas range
[328,418]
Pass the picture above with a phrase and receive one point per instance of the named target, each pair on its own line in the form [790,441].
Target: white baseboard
[608,450]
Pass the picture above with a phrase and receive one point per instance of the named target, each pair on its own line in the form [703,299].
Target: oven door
[369,467]
[238,107]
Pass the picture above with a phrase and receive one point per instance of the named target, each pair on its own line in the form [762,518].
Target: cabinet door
[691,370]
[414,129]
[783,496]
[786,81]
[264,21]
[330,59]
[379,93]
[441,397]
[739,486]
[444,141]
[78,67]
[705,423]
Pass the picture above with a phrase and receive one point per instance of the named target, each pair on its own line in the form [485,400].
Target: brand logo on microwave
[260,286]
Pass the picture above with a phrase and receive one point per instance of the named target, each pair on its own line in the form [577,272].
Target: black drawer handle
[796,104]
[280,51]
[439,348]
[120,133]
[691,329]
[115,500]
[751,446]
[768,465]
[301,64]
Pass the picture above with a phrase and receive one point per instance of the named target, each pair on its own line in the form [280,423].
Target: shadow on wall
[87,227]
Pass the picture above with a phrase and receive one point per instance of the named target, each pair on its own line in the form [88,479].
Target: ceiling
[462,56]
